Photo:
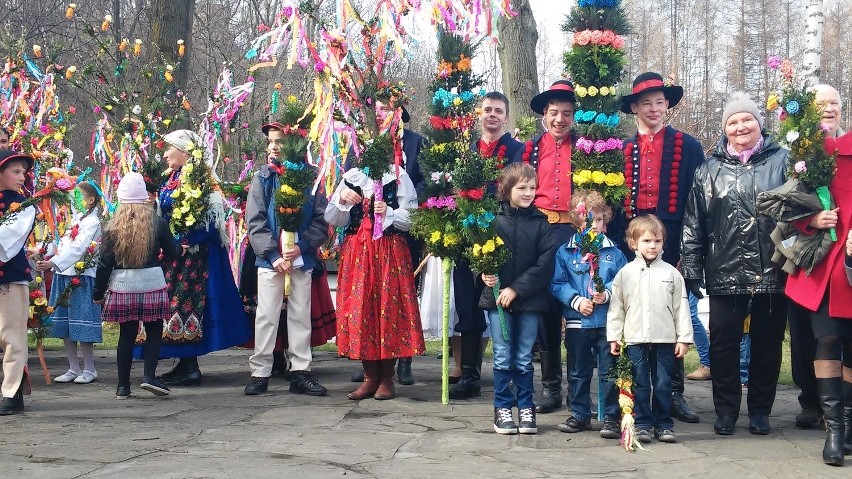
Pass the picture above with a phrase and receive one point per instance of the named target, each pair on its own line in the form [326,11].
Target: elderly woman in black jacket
[726,243]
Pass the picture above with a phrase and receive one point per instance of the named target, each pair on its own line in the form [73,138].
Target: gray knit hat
[740,102]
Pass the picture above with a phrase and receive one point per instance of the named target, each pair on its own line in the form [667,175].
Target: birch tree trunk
[518,39]
[814,21]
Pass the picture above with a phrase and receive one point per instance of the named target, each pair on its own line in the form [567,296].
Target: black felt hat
[560,90]
[647,82]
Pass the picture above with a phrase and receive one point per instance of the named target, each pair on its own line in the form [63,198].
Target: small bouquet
[375,162]
[588,243]
[295,179]
[192,195]
[622,374]
[39,320]
[488,257]
[89,260]
[802,131]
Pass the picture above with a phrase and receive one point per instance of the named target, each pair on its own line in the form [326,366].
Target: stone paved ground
[214,431]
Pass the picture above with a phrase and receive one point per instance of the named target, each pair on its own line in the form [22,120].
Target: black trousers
[471,318]
[151,352]
[802,354]
[768,322]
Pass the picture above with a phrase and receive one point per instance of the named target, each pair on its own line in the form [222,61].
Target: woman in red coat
[827,294]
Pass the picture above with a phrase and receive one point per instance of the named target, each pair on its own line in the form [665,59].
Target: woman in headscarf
[206,310]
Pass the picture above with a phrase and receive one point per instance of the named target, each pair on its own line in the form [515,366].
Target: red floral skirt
[377,312]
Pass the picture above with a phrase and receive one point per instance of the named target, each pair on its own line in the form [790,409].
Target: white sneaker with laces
[86,377]
[67,377]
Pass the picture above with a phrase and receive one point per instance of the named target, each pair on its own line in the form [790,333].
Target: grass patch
[110,340]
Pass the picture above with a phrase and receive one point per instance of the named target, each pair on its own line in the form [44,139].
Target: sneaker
[86,377]
[665,435]
[526,421]
[122,392]
[155,386]
[303,382]
[503,421]
[256,386]
[643,436]
[700,374]
[573,425]
[67,377]
[610,429]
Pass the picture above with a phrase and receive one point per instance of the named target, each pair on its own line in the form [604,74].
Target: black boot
[680,410]
[831,400]
[403,371]
[847,417]
[14,404]
[551,382]
[185,373]
[471,362]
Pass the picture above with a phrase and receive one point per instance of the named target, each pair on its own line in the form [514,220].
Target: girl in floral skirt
[76,317]
[130,281]
[378,319]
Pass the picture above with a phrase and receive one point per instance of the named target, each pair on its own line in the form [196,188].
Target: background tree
[517,51]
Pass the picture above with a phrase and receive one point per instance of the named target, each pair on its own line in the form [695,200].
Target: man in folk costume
[550,154]
[276,260]
[412,143]
[660,163]
[494,142]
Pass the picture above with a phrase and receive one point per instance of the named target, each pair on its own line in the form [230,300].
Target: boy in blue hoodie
[585,312]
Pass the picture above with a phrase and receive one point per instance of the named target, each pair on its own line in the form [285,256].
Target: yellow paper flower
[772,102]
[499,241]
[187,168]
[604,91]
[38,280]
[176,193]
[476,249]
[593,90]
[435,237]
[582,177]
[190,220]
[40,302]
[614,179]
[80,265]
[488,247]
[580,91]
[457,101]
[598,176]
[288,190]
[197,153]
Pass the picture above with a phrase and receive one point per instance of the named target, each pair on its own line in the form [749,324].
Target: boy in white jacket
[649,311]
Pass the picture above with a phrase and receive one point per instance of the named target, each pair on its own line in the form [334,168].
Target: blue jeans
[580,344]
[513,358]
[699,334]
[653,364]
[745,357]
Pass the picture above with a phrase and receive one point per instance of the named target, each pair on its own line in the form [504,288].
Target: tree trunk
[171,20]
[518,39]
[814,21]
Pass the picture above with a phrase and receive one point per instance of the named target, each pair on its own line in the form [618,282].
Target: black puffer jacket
[530,268]
[725,240]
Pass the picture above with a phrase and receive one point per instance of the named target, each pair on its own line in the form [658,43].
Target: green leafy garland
[295,175]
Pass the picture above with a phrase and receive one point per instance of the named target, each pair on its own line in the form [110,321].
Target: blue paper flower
[792,107]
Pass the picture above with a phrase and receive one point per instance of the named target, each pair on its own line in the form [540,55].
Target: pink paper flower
[582,38]
[618,42]
[774,61]
[608,37]
[800,167]
[597,37]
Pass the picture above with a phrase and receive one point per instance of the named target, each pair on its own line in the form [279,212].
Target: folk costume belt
[555,217]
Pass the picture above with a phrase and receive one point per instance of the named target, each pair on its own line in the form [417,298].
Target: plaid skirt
[145,307]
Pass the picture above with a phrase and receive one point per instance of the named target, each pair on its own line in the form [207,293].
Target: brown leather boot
[371,381]
[386,373]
